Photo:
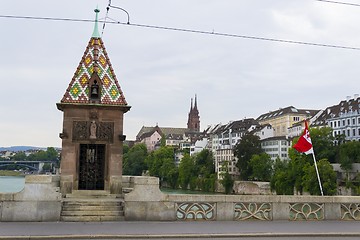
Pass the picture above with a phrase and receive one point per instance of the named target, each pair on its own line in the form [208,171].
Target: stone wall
[147,202]
[40,200]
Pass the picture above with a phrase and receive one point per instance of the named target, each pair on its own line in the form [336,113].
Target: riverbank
[10,173]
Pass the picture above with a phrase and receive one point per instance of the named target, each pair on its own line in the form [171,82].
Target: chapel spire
[96,33]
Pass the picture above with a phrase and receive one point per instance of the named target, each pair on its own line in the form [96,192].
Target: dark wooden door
[91,167]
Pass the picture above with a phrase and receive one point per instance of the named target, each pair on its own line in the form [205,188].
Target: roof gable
[94,63]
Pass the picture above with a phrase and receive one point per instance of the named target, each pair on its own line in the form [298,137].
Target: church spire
[96,33]
[195,105]
[194,118]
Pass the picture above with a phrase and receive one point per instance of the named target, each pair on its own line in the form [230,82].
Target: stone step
[85,194]
[92,213]
[91,218]
[95,201]
[92,208]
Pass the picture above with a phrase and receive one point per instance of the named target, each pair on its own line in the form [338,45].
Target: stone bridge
[41,200]
[32,165]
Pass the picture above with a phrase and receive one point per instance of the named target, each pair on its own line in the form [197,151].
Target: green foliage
[261,166]
[196,172]
[156,158]
[323,143]
[204,163]
[163,141]
[161,164]
[134,160]
[47,167]
[19,156]
[327,176]
[186,169]
[49,155]
[349,153]
[227,181]
[248,146]
[282,181]
[288,175]
[9,173]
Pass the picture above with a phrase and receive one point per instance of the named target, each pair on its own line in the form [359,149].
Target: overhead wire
[185,30]
[336,2]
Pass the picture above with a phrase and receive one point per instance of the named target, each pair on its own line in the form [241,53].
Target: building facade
[343,118]
[283,119]
[277,147]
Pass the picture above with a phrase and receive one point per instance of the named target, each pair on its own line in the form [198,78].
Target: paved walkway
[173,230]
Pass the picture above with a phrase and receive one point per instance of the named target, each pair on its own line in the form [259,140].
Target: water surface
[11,184]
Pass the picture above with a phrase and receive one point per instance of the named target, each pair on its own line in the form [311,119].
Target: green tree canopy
[156,158]
[282,181]
[349,153]
[186,170]
[248,146]
[323,143]
[327,176]
[134,160]
[261,165]
[227,181]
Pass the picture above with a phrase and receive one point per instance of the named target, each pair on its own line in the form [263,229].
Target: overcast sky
[159,71]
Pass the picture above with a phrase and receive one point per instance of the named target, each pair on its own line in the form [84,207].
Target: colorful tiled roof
[95,59]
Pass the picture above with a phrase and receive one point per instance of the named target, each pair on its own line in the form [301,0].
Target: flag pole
[317,173]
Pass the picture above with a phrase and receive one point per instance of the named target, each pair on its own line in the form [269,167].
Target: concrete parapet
[40,200]
[147,202]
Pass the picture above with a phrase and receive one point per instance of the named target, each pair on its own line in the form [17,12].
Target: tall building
[194,118]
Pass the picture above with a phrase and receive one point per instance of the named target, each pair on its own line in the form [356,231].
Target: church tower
[194,118]
[92,137]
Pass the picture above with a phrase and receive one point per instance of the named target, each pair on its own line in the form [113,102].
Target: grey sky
[159,71]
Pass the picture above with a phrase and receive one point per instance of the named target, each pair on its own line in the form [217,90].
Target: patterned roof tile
[94,58]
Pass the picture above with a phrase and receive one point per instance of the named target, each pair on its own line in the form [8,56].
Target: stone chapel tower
[194,118]
[92,137]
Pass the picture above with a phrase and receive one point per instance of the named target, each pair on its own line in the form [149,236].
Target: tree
[186,169]
[261,166]
[248,146]
[155,159]
[161,164]
[19,156]
[168,172]
[323,143]
[226,180]
[204,162]
[327,176]
[52,154]
[134,160]
[47,167]
[282,181]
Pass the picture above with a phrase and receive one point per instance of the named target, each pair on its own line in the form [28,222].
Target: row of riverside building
[276,129]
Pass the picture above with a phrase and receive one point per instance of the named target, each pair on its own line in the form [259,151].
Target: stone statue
[93,130]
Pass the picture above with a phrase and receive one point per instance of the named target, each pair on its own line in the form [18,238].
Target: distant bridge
[33,165]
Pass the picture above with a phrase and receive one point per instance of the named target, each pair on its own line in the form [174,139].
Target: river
[11,184]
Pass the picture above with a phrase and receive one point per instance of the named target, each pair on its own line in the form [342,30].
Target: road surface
[258,230]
